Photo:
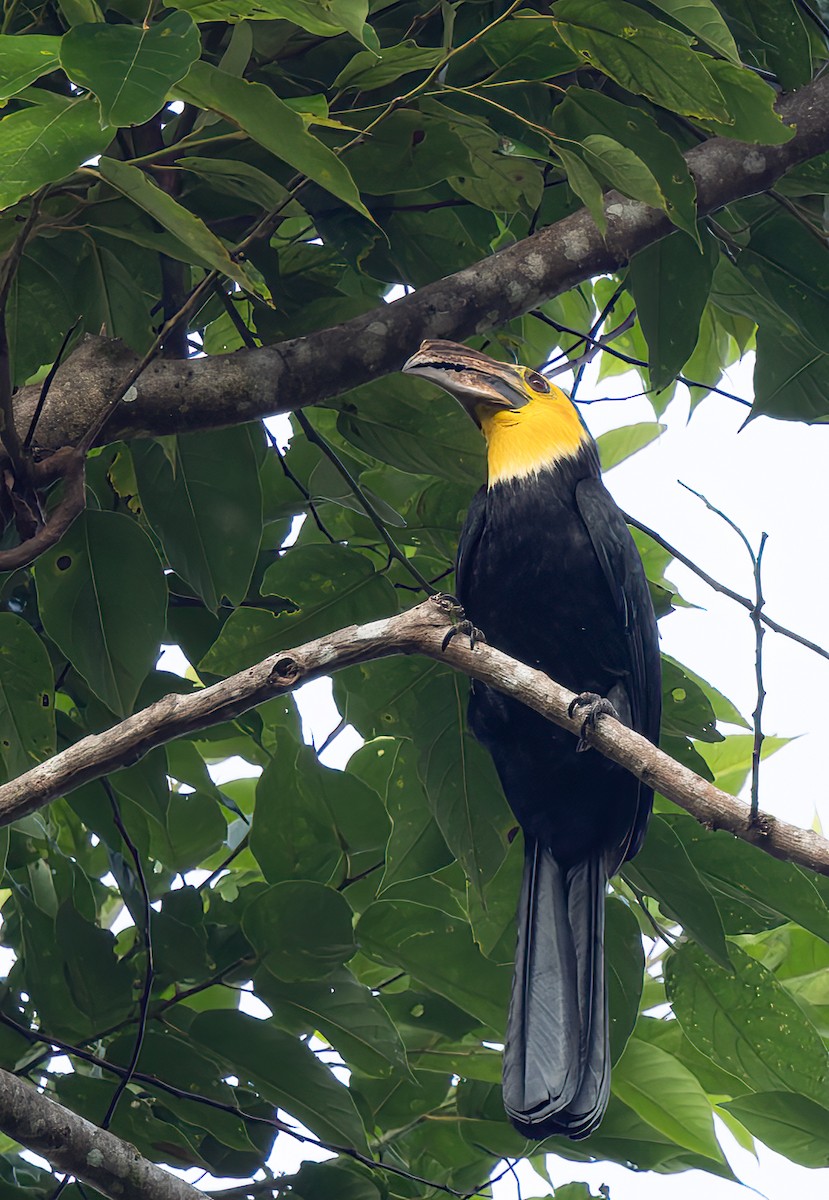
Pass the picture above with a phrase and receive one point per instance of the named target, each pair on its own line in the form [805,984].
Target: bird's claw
[596,706]
[460,625]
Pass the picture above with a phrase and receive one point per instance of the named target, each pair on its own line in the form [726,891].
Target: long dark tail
[556,1064]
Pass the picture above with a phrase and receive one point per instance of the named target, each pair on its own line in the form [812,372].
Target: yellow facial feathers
[523,441]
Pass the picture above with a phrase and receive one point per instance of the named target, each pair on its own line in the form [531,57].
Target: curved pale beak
[474,379]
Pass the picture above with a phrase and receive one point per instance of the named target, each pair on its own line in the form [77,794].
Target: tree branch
[421,630]
[71,1143]
[173,396]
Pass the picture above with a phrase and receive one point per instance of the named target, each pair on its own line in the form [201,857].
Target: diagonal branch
[421,630]
[73,1144]
[173,396]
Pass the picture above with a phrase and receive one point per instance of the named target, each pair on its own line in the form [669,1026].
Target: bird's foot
[595,706]
[460,625]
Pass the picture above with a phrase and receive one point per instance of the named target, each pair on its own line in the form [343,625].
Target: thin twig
[146,933]
[8,269]
[757,715]
[47,383]
[756,612]
[636,362]
[722,588]
[813,16]
[368,508]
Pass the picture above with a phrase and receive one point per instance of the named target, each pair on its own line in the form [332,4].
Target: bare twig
[47,383]
[722,588]
[756,611]
[421,630]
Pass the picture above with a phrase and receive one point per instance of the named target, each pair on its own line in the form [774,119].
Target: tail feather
[556,1068]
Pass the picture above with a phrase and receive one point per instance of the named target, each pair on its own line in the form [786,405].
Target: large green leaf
[103,600]
[367,71]
[584,112]
[416,846]
[747,1023]
[438,951]
[790,1124]
[331,586]
[791,377]
[666,1095]
[411,425]
[619,444]
[702,18]
[201,494]
[343,1011]
[750,102]
[284,1070]
[775,32]
[300,930]
[670,282]
[27,705]
[130,68]
[271,123]
[25,59]
[642,54]
[624,967]
[665,871]
[46,142]
[205,248]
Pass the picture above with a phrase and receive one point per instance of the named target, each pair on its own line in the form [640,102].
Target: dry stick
[722,588]
[421,630]
[756,610]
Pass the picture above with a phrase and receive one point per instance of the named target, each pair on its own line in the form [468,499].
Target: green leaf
[25,59]
[438,951]
[747,1022]
[201,495]
[735,870]
[787,266]
[664,870]
[618,444]
[790,1124]
[730,760]
[585,185]
[366,71]
[284,1070]
[791,378]
[702,18]
[750,103]
[293,833]
[300,929]
[776,35]
[584,112]
[271,123]
[670,282]
[416,846]
[642,54]
[206,249]
[623,169]
[410,425]
[666,1095]
[46,142]
[624,968]
[103,600]
[130,68]
[346,1014]
[241,179]
[27,709]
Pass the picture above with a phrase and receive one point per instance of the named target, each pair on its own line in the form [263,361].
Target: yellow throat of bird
[522,442]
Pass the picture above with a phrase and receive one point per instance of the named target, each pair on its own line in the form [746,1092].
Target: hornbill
[546,567]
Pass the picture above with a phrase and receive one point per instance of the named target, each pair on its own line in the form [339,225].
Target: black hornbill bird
[547,569]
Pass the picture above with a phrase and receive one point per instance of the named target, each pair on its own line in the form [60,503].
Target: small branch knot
[285,671]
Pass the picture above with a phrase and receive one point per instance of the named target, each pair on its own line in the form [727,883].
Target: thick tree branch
[71,1143]
[225,390]
[421,630]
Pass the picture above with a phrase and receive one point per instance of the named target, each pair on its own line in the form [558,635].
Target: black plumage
[547,569]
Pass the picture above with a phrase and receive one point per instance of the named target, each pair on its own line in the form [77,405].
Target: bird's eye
[537,382]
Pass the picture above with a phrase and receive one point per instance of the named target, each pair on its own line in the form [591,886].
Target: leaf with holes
[103,601]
